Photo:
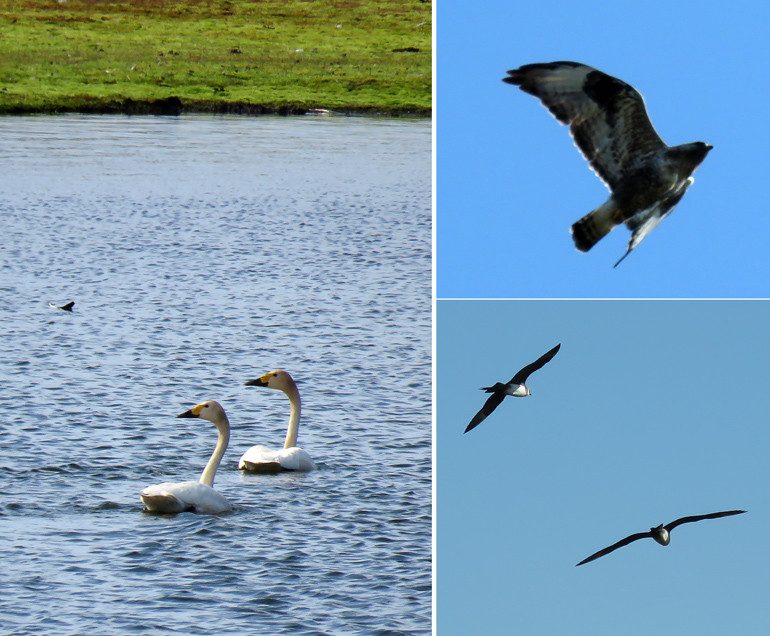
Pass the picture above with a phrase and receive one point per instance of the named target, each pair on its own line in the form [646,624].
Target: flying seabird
[66,307]
[660,533]
[515,387]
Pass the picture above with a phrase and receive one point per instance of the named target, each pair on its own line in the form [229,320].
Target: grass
[255,56]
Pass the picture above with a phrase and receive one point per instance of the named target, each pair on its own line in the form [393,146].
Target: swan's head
[210,410]
[275,379]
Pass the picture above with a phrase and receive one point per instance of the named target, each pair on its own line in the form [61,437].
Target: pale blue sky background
[649,412]
[510,181]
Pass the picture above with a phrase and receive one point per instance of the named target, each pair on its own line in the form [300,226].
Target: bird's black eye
[205,406]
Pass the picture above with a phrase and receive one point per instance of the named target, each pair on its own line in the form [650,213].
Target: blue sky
[651,410]
[510,181]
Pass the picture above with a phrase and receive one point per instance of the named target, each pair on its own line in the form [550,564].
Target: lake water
[201,252]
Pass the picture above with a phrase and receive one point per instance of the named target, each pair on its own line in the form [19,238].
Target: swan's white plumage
[287,459]
[262,459]
[184,496]
[194,496]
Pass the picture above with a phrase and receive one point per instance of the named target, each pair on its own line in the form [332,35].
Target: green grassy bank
[215,56]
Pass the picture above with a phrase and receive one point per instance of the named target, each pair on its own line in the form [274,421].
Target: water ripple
[201,252]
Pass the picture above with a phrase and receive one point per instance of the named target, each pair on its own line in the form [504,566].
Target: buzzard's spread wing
[615,546]
[490,405]
[711,515]
[606,116]
[522,375]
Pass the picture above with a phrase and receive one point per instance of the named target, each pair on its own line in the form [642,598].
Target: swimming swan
[194,496]
[260,458]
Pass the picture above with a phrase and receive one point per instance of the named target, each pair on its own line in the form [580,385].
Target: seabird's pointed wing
[606,116]
[522,375]
[622,258]
[711,515]
[615,546]
[68,306]
[490,405]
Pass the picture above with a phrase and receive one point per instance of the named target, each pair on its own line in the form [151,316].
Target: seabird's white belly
[516,390]
[662,536]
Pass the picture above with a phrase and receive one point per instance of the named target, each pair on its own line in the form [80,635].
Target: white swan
[260,458]
[194,496]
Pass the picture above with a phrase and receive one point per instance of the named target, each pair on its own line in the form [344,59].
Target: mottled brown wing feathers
[606,116]
[556,97]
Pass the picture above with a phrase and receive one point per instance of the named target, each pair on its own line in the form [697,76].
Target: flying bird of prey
[660,533]
[515,387]
[610,126]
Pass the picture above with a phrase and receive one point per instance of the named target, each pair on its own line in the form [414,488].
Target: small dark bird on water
[66,307]
[515,387]
[659,533]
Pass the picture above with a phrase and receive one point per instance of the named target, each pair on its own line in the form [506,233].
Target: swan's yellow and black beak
[258,382]
[195,411]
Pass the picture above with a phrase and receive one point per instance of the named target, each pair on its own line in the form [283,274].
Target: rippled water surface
[201,252]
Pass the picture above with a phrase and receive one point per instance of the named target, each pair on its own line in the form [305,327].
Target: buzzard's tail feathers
[595,225]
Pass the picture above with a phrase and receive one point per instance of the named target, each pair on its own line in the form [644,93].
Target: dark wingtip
[517,76]
[553,351]
[621,259]
[471,426]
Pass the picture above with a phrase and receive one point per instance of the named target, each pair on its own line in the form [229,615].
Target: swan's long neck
[291,434]
[207,476]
